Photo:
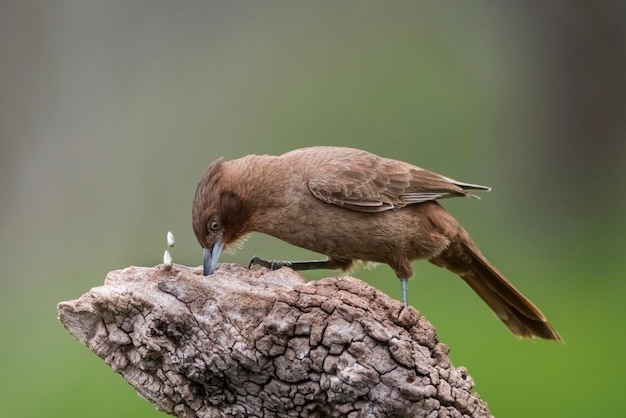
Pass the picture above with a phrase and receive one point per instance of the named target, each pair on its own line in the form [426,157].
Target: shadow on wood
[265,343]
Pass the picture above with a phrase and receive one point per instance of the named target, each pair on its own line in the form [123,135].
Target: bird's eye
[214,225]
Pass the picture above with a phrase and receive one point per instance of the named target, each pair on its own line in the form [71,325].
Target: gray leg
[403,288]
[294,265]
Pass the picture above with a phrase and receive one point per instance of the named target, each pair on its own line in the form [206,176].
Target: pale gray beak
[210,257]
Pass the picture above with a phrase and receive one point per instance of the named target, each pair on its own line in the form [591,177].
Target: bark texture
[262,343]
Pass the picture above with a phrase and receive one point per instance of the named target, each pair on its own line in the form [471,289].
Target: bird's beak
[211,255]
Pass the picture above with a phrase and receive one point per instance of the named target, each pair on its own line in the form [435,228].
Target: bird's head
[219,214]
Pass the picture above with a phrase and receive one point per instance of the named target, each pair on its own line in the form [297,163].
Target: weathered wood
[260,343]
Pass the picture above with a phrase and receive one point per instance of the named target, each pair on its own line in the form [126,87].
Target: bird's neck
[261,184]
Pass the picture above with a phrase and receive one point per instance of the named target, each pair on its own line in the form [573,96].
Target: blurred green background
[110,111]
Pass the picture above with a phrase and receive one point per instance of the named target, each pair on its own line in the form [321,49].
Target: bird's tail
[519,314]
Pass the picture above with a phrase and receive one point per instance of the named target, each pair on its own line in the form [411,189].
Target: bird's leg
[294,265]
[404,288]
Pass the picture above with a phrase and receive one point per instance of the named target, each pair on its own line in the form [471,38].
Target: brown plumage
[352,205]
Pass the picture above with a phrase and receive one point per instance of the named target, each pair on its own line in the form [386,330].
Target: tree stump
[261,343]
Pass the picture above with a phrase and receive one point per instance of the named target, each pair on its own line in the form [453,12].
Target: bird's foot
[269,264]
[295,265]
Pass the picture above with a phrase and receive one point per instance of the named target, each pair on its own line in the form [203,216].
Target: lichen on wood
[261,343]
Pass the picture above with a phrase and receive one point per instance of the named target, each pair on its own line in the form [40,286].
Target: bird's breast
[344,233]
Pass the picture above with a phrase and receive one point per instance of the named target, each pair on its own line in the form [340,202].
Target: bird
[352,206]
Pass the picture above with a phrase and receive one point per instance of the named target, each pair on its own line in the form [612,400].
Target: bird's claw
[268,264]
[256,261]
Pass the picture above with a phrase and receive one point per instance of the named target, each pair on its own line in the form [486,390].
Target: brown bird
[352,205]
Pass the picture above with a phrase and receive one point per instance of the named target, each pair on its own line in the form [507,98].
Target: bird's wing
[362,181]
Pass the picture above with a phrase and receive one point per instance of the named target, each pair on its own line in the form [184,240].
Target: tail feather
[517,312]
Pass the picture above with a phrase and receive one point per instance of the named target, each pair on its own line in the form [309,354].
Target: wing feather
[362,181]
